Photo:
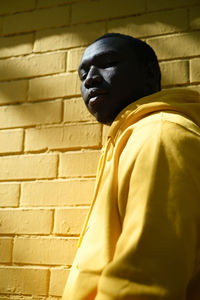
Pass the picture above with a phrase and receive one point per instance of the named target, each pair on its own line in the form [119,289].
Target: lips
[95,95]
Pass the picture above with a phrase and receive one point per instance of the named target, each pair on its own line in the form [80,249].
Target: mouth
[96,96]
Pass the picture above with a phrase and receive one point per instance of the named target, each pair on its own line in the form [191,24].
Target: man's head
[116,70]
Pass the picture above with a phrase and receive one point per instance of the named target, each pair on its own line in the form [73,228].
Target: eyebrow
[84,64]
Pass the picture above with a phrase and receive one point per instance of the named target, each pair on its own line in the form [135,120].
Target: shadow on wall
[38,75]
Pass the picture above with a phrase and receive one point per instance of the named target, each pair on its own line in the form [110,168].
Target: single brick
[46,87]
[24,297]
[195,17]
[100,10]
[58,279]
[195,70]
[45,251]
[57,193]
[13,91]
[11,6]
[157,4]
[19,221]
[38,19]
[76,111]
[11,141]
[195,88]
[1,25]
[72,85]
[74,58]
[9,194]
[76,164]
[16,45]
[30,114]
[73,36]
[5,249]
[17,280]
[28,166]
[69,221]
[67,137]
[54,87]
[174,73]
[30,66]
[145,25]
[176,46]
[48,3]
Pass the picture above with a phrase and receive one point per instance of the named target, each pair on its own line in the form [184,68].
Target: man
[141,239]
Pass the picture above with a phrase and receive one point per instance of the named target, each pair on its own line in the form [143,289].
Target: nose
[93,77]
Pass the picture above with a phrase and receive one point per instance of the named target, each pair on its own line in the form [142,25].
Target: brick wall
[49,144]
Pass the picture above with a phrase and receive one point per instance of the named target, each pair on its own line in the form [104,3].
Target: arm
[155,254]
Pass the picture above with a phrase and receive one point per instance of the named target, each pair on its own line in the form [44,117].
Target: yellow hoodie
[141,239]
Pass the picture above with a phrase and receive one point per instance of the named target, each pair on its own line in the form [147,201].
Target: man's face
[111,78]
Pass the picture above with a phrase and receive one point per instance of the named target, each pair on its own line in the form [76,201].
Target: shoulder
[173,132]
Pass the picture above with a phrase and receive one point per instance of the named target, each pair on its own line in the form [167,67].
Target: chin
[104,120]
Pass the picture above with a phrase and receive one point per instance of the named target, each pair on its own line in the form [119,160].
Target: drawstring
[101,167]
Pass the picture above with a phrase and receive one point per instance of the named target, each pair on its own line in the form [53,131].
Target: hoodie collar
[182,101]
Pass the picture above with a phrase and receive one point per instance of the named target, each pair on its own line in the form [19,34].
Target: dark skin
[112,77]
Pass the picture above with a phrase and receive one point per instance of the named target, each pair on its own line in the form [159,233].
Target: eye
[83,76]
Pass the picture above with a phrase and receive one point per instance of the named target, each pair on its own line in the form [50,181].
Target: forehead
[111,45]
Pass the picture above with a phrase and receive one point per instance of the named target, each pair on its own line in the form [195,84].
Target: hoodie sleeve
[159,206]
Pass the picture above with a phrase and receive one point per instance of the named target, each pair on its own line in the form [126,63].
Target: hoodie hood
[182,101]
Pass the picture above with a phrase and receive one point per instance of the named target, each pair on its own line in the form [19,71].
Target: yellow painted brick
[69,221]
[73,36]
[13,91]
[72,85]
[5,249]
[16,45]
[11,6]
[1,25]
[54,87]
[100,10]
[58,279]
[24,297]
[9,194]
[157,4]
[195,17]
[38,19]
[78,164]
[195,88]
[30,114]
[21,280]
[57,193]
[182,45]
[19,221]
[105,133]
[76,111]
[45,251]
[65,137]
[174,73]
[11,141]
[32,297]
[46,87]
[195,70]
[30,66]
[48,3]
[28,166]
[74,58]
[151,24]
